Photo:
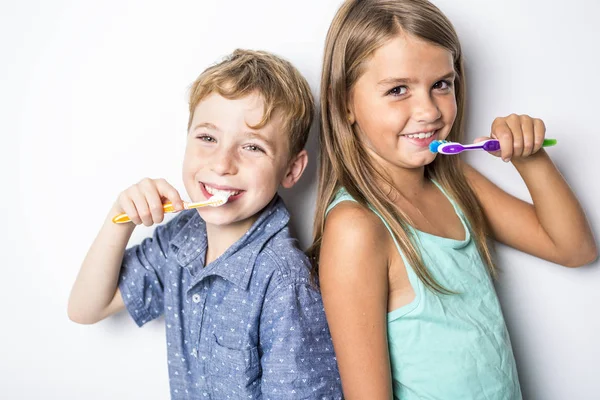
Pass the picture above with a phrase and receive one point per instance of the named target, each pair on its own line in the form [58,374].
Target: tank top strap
[341,195]
[457,209]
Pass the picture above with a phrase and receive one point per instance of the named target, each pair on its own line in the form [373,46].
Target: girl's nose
[426,110]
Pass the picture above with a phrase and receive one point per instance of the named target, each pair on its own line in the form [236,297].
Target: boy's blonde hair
[282,87]
[358,29]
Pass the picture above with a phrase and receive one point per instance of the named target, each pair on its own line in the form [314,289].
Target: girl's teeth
[422,135]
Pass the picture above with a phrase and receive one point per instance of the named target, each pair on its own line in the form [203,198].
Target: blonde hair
[358,29]
[280,84]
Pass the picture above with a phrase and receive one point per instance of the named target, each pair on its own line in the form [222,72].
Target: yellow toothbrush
[214,201]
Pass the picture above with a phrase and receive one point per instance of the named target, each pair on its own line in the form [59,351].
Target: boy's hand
[519,135]
[143,202]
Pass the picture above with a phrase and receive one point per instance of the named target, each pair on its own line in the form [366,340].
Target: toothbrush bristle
[433,146]
[219,199]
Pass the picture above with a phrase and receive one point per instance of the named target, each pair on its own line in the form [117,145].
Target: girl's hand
[519,135]
[143,202]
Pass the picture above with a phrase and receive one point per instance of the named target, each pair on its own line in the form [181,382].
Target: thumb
[481,139]
[484,138]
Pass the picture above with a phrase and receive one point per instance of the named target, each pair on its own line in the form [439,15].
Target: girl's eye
[397,91]
[253,148]
[206,138]
[442,85]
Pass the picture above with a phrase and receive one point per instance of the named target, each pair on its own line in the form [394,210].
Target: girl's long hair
[358,29]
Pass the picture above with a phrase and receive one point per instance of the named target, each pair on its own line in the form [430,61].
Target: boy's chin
[235,214]
[223,221]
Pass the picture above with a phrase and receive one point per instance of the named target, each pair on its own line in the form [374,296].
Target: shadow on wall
[301,198]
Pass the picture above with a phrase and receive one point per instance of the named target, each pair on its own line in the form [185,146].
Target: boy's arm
[95,294]
[297,360]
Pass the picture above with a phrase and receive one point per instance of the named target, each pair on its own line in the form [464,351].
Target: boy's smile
[224,155]
[209,190]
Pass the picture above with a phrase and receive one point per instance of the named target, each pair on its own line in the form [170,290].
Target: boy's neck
[221,237]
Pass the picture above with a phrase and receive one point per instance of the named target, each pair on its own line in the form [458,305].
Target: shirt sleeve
[141,277]
[297,360]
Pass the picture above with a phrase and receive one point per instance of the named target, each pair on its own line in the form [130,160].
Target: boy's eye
[253,148]
[397,91]
[206,138]
[442,85]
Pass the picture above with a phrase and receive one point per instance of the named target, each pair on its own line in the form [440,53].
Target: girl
[401,234]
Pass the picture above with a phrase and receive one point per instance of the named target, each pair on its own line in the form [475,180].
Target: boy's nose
[225,162]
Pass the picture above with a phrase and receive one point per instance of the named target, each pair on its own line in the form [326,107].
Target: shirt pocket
[233,372]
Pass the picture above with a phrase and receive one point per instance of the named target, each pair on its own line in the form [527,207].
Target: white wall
[93,98]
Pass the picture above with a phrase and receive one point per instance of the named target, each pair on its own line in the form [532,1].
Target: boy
[242,318]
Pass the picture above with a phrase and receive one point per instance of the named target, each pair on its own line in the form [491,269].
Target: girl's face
[403,101]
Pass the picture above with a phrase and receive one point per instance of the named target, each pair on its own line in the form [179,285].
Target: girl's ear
[351,118]
[295,169]
[349,110]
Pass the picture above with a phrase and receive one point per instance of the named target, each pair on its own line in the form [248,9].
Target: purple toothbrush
[445,147]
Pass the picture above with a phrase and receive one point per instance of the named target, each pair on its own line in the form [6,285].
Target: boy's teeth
[219,192]
[422,135]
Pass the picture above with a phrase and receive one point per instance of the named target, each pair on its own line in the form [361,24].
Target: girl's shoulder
[354,230]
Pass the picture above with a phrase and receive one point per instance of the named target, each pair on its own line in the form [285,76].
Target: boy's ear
[295,169]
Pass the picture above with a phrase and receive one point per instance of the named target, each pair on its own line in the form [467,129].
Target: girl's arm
[554,227]
[353,272]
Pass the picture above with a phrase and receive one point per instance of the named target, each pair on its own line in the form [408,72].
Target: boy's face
[223,154]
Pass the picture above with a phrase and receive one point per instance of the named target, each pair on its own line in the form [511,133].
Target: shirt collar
[237,263]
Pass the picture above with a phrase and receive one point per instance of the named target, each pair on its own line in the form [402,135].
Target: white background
[93,98]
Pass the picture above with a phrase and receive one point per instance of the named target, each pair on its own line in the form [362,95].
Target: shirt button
[196,298]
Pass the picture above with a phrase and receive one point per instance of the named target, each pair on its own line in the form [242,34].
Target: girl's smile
[421,139]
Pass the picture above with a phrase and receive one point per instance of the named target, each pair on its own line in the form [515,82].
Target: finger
[141,205]
[155,204]
[170,193]
[128,207]
[483,139]
[514,123]
[502,132]
[528,135]
[539,129]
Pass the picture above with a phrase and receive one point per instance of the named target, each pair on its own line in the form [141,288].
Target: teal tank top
[454,346]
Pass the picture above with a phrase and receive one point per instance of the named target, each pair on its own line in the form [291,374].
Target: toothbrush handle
[124,218]
[455,148]
[494,144]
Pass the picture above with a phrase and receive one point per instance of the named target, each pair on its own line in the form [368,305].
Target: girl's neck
[220,237]
[415,196]
[408,182]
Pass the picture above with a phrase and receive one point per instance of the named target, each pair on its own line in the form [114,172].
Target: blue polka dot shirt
[248,325]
